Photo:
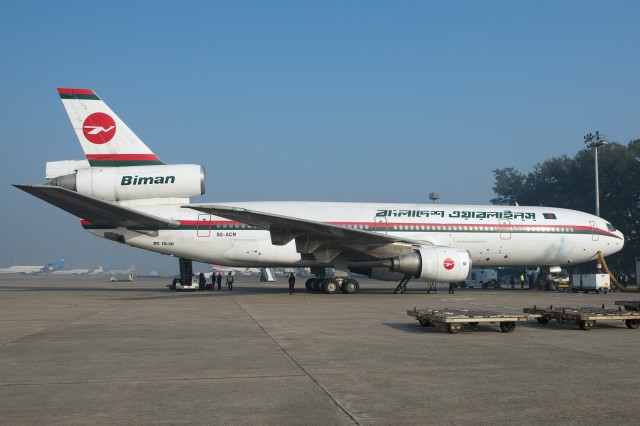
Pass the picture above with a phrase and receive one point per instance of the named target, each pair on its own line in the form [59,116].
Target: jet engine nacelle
[136,182]
[434,264]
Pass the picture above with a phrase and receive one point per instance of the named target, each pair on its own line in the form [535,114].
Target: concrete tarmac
[77,350]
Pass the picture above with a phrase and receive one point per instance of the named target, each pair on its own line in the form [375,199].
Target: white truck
[598,283]
[194,284]
[482,278]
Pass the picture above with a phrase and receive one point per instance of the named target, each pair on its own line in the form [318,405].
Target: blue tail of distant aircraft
[54,266]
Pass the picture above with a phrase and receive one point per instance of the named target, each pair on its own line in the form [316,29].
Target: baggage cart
[454,319]
[585,317]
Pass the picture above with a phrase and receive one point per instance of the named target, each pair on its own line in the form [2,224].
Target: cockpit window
[610,227]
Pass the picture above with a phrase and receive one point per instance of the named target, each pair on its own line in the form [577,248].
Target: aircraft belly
[260,253]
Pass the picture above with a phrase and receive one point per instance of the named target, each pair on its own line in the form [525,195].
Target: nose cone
[614,243]
[622,239]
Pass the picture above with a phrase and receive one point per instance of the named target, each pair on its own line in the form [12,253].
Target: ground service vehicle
[482,278]
[597,283]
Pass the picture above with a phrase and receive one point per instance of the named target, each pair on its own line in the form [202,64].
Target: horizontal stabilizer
[98,212]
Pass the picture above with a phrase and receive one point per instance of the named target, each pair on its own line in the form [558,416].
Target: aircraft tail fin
[105,139]
[54,266]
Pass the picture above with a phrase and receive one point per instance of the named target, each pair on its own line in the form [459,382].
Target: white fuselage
[493,235]
[22,269]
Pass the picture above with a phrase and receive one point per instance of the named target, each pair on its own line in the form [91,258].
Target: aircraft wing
[98,212]
[323,240]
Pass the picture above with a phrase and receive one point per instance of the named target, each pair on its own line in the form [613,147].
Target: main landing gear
[333,285]
[186,271]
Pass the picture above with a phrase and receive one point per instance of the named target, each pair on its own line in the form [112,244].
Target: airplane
[234,270]
[265,274]
[79,271]
[34,269]
[123,192]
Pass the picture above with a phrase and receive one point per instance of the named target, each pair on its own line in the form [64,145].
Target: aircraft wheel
[542,320]
[633,323]
[316,285]
[474,323]
[586,325]
[309,284]
[350,286]
[330,286]
[507,326]
[454,328]
[425,323]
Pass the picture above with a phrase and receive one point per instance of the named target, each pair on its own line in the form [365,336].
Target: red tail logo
[99,128]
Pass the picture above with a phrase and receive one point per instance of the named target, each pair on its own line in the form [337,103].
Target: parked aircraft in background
[124,193]
[80,271]
[234,270]
[265,274]
[34,269]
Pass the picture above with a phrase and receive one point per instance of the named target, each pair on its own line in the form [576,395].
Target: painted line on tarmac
[313,379]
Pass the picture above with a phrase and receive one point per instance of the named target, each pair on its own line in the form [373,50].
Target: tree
[509,186]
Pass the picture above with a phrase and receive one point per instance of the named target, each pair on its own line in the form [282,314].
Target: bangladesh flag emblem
[549,215]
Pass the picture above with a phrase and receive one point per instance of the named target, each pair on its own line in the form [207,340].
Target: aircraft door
[203,227]
[594,231]
[381,224]
[505,229]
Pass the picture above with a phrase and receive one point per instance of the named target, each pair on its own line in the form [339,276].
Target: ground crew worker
[521,280]
[230,281]
[452,288]
[219,281]
[292,284]
[201,281]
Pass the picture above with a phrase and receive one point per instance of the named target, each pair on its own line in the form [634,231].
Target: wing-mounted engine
[135,182]
[434,264]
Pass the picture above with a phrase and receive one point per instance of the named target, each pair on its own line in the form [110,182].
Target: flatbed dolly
[453,319]
[629,305]
[585,317]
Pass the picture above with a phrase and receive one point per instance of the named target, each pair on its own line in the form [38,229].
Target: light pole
[594,141]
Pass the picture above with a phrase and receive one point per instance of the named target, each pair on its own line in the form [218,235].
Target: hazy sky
[341,101]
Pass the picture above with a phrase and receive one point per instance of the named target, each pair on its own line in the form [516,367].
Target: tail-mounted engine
[136,182]
[436,264]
